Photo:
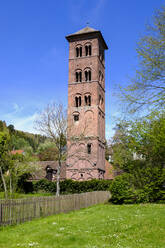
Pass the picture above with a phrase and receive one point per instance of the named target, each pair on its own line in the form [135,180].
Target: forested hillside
[23,140]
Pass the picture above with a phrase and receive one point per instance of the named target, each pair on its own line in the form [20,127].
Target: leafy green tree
[4,156]
[121,152]
[143,139]
[18,143]
[47,151]
[147,89]
[13,167]
[139,151]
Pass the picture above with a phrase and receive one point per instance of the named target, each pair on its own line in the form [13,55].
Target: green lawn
[21,195]
[135,226]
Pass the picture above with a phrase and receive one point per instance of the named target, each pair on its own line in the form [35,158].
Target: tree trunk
[58,179]
[11,191]
[4,183]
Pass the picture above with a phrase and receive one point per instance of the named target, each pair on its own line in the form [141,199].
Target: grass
[126,226]
[21,195]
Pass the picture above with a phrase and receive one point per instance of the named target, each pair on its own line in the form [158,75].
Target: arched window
[76,116]
[88,50]
[78,76]
[88,76]
[87,99]
[99,76]
[89,148]
[78,51]
[77,101]
[100,100]
[101,55]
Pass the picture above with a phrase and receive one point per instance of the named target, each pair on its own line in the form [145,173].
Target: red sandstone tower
[86,105]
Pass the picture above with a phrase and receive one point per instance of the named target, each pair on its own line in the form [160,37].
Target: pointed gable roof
[87,31]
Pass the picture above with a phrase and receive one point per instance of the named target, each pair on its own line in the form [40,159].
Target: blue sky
[34,52]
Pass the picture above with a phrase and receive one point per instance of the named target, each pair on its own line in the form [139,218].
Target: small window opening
[76,117]
[101,55]
[78,51]
[99,99]
[89,72]
[89,148]
[78,76]
[88,100]
[88,50]
[99,76]
[102,78]
[102,100]
[88,75]
[78,101]
[81,175]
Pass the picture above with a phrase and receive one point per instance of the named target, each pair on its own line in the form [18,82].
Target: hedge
[67,186]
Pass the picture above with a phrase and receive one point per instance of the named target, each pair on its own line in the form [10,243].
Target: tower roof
[87,31]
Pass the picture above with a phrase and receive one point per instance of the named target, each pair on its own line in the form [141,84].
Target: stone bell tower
[86,105]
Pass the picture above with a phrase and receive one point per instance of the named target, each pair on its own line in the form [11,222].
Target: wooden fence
[21,210]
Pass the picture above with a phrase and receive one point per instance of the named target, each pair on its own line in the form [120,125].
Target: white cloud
[20,118]
[25,123]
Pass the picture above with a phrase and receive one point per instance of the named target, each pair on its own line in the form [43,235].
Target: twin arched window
[78,102]
[87,75]
[87,50]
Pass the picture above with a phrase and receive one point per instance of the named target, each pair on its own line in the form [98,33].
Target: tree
[13,167]
[138,150]
[47,151]
[52,122]
[121,152]
[21,166]
[143,139]
[4,156]
[147,89]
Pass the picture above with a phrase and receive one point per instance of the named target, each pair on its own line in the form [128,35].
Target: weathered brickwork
[86,105]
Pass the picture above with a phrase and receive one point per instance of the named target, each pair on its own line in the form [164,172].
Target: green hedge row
[67,186]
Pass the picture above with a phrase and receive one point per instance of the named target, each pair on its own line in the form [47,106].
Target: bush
[146,185]
[121,190]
